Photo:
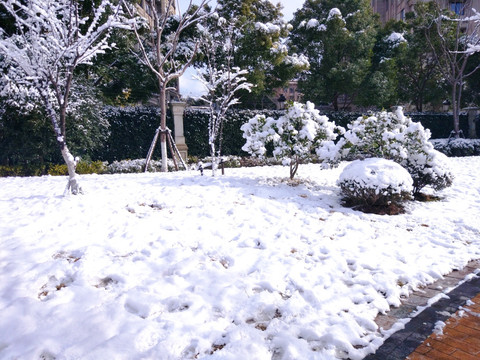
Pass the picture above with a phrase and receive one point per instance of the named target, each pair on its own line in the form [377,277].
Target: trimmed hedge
[439,124]
[131,132]
[196,127]
[457,147]
[27,146]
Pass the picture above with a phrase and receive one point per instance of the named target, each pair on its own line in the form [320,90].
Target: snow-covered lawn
[241,266]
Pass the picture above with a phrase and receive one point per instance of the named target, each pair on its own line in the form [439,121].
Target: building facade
[397,9]
[288,93]
[146,8]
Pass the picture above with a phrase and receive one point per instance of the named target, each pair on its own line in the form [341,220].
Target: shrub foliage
[295,136]
[391,135]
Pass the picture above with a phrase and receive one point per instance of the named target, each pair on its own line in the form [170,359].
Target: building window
[402,15]
[458,8]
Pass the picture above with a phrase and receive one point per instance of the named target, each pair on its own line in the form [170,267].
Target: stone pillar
[178,107]
[472,126]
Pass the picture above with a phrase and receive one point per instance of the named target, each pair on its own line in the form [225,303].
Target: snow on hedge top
[377,173]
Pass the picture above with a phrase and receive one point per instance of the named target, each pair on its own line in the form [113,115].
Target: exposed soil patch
[426,197]
[383,209]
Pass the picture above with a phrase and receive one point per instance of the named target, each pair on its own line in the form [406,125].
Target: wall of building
[396,9]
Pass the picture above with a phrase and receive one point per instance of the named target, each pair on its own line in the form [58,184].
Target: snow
[267,28]
[315,24]
[334,12]
[396,39]
[438,329]
[312,23]
[297,60]
[245,265]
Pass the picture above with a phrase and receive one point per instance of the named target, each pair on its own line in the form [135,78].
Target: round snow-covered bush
[393,136]
[375,182]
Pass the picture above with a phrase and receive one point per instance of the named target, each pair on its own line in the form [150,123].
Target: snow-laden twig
[50,41]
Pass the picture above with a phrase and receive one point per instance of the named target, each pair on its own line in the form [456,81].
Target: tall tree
[402,48]
[51,39]
[422,81]
[167,53]
[118,75]
[458,39]
[473,82]
[379,88]
[258,32]
[337,38]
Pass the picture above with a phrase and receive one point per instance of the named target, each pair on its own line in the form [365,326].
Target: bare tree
[50,41]
[458,39]
[164,52]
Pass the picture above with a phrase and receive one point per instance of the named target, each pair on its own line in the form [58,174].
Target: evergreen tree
[119,76]
[337,38]
[416,64]
[379,88]
[472,86]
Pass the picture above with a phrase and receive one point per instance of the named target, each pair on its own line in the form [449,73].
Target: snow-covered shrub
[457,146]
[295,136]
[374,183]
[136,166]
[257,134]
[391,135]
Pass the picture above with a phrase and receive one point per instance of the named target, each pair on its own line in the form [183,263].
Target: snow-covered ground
[241,266]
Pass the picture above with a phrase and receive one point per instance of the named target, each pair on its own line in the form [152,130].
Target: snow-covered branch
[50,41]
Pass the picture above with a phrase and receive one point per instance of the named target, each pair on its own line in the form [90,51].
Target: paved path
[459,338]
[457,314]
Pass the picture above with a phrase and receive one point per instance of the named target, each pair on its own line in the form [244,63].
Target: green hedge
[196,127]
[27,145]
[131,132]
[195,123]
[457,147]
[440,125]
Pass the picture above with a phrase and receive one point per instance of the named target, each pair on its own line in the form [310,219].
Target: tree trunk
[335,102]
[419,102]
[162,130]
[294,163]
[73,185]
[214,158]
[163,126]
[456,110]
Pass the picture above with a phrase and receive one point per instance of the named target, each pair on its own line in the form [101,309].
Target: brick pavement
[459,338]
[413,339]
